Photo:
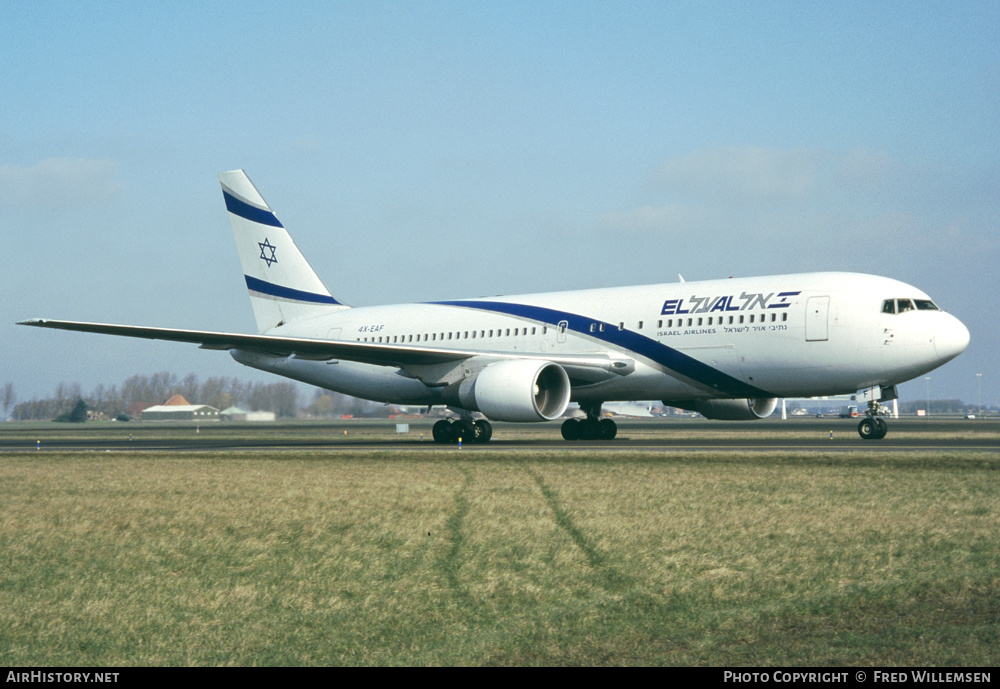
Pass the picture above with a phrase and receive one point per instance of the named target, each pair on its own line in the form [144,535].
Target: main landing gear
[591,428]
[465,430]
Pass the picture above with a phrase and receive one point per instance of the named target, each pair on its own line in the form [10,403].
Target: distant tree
[77,415]
[116,402]
[190,389]
[8,398]
[322,405]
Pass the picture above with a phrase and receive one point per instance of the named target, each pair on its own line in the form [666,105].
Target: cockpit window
[904,305]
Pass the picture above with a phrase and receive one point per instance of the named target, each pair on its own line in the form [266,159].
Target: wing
[323,350]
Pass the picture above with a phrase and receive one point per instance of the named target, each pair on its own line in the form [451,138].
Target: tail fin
[283,286]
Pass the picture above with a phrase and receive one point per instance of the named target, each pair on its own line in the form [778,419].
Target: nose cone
[951,337]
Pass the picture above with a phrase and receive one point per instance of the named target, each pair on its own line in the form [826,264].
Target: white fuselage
[776,336]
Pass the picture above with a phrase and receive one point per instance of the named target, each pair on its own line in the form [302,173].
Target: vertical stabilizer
[283,286]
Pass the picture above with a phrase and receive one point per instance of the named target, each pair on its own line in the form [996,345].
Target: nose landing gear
[872,427]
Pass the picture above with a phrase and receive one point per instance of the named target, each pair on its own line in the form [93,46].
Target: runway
[645,435]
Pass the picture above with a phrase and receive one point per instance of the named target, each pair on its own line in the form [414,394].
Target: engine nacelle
[515,390]
[730,410]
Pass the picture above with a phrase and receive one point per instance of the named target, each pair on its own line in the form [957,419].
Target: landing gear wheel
[463,431]
[484,431]
[570,429]
[867,429]
[442,431]
[589,429]
[872,429]
[607,429]
[883,428]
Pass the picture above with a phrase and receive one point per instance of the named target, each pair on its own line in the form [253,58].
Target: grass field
[515,557]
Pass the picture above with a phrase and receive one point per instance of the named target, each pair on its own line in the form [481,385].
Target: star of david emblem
[264,247]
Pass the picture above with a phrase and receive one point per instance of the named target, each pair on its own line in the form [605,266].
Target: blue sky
[432,150]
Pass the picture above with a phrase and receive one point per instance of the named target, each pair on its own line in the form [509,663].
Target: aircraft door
[561,332]
[817,319]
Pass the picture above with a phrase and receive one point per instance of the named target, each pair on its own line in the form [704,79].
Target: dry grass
[382,557]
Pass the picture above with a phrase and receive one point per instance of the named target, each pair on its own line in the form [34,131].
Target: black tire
[484,431]
[608,429]
[442,431]
[463,431]
[868,429]
[883,428]
[571,429]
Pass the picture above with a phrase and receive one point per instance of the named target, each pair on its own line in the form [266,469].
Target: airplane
[728,349]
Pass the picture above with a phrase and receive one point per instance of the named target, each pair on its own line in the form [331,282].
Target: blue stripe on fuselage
[251,213]
[272,290]
[628,340]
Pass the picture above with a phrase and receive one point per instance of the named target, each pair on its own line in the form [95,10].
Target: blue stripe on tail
[251,213]
[272,290]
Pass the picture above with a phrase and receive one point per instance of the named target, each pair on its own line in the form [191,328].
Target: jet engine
[729,410]
[515,390]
